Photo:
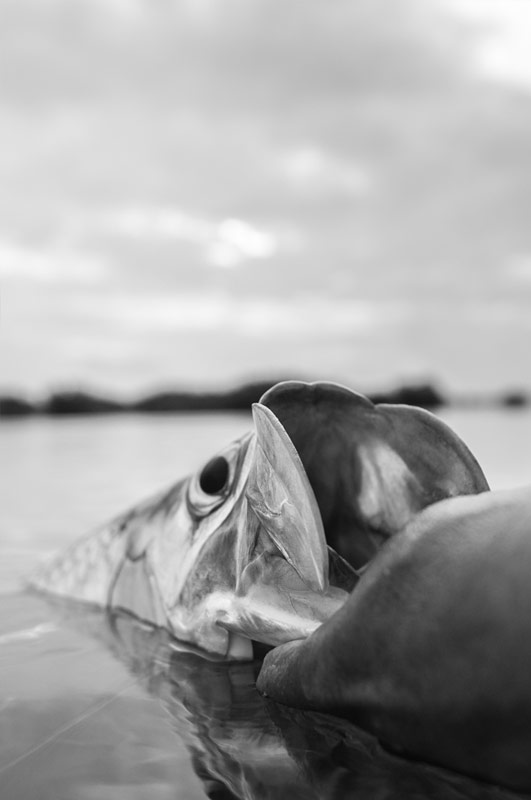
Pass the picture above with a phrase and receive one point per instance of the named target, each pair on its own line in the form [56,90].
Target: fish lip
[261,617]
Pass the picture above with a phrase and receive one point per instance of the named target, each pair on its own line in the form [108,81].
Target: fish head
[324,472]
[245,556]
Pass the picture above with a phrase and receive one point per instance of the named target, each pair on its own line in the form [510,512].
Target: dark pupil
[214,475]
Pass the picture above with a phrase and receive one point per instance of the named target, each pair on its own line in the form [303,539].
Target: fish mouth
[283,589]
[332,470]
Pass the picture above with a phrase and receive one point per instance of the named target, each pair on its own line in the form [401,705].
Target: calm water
[94,707]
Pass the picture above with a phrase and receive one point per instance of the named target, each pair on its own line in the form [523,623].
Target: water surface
[97,706]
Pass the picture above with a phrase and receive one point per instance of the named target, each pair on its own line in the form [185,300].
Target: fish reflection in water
[247,747]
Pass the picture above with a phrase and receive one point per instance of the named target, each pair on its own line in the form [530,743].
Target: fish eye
[214,475]
[214,485]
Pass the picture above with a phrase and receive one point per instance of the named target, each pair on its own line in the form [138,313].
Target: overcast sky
[195,192]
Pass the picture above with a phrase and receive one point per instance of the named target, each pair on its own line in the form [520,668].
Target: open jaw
[240,551]
[265,574]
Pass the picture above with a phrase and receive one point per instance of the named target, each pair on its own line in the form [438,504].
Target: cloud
[518,270]
[311,168]
[248,54]
[261,317]
[295,184]
[502,29]
[244,240]
[50,263]
[225,243]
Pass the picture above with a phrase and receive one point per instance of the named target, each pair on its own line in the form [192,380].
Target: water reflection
[243,746]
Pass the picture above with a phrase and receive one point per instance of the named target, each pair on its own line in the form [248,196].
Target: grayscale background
[200,194]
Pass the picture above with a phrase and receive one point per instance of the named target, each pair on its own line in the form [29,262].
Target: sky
[199,192]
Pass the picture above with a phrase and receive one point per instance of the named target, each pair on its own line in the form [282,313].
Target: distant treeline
[67,403]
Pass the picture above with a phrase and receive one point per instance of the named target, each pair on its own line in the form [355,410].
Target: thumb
[281,676]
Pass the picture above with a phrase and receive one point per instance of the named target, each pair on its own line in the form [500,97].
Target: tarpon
[263,542]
